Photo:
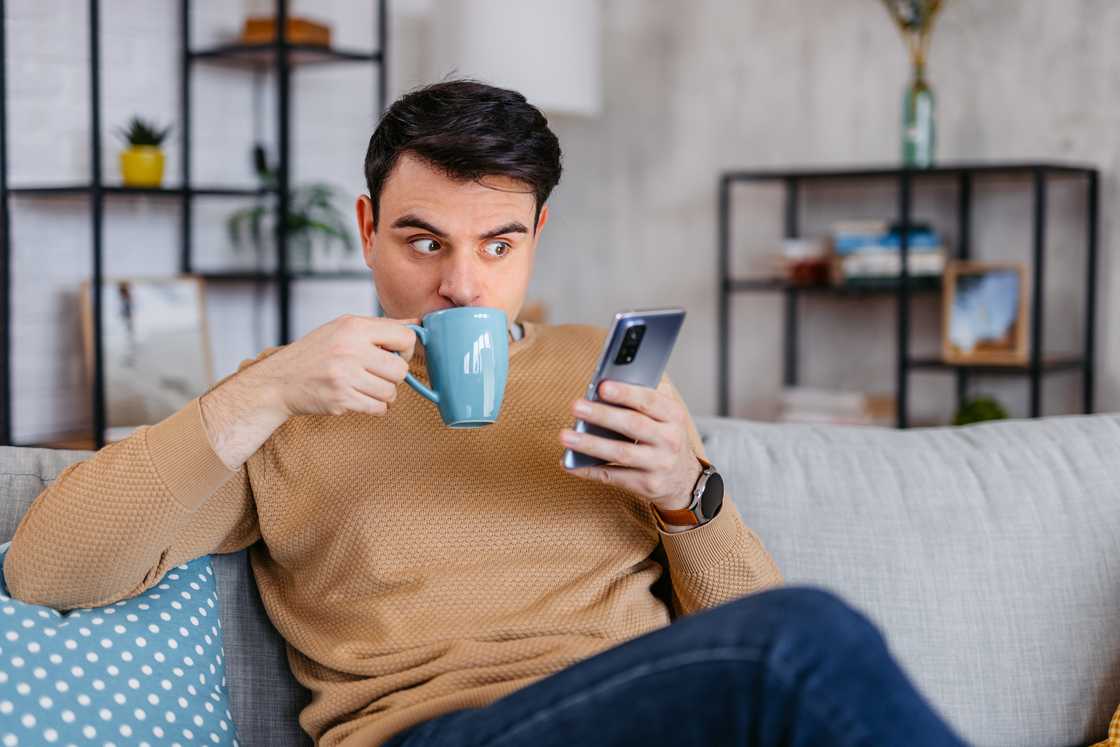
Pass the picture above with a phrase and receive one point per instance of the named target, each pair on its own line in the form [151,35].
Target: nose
[462,281]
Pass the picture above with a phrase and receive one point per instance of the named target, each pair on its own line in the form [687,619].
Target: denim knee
[820,615]
[800,615]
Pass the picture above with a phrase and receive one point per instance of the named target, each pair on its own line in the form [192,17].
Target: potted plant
[979,409]
[312,217]
[142,159]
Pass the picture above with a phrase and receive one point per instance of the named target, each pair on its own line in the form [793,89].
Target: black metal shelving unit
[281,57]
[903,288]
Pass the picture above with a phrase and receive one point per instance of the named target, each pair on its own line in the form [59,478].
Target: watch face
[713,495]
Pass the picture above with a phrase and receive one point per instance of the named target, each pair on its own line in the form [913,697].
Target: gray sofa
[988,555]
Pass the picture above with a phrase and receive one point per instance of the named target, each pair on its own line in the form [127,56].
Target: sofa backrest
[989,555]
[265,699]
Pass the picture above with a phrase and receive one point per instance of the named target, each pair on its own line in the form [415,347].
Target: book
[835,407]
[863,227]
[886,263]
[919,238]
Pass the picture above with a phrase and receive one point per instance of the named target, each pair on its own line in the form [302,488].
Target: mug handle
[422,336]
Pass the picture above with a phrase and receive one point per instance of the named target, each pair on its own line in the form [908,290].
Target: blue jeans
[789,666]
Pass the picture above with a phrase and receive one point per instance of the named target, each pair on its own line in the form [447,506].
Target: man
[1113,732]
[448,587]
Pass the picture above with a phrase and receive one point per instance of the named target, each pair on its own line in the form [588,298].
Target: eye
[424,246]
[498,248]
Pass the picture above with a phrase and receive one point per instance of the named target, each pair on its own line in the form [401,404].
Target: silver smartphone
[635,352]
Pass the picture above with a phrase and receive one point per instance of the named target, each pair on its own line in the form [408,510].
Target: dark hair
[468,130]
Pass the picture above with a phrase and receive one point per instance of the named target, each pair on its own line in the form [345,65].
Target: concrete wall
[48,84]
[690,89]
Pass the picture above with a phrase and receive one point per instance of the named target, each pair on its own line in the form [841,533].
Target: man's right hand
[350,364]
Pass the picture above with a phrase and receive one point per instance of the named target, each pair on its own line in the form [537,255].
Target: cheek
[509,281]
[516,273]
[399,279]
[508,288]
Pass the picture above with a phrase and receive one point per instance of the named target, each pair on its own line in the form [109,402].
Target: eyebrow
[410,220]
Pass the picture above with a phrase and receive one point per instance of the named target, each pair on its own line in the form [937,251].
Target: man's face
[441,243]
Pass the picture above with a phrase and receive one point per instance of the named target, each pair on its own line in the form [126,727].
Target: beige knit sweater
[413,569]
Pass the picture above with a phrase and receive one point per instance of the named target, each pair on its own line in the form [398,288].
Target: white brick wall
[334,111]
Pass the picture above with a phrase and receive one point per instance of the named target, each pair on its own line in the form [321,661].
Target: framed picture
[155,347]
[984,313]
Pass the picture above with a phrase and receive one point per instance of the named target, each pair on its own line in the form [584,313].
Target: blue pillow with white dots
[143,671]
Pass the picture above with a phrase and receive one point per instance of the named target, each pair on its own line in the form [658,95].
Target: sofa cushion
[148,668]
[987,554]
[23,475]
[265,699]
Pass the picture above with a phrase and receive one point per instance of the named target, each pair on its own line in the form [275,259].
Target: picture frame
[984,313]
[156,352]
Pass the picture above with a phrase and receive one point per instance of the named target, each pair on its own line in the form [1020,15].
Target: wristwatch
[707,497]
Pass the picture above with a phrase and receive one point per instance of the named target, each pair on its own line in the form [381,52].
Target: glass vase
[918,137]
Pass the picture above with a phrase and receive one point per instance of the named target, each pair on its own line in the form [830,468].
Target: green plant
[142,132]
[979,409]
[311,213]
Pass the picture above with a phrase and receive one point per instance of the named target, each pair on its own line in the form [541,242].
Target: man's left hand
[657,463]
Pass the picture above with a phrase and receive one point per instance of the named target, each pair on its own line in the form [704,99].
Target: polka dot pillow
[143,671]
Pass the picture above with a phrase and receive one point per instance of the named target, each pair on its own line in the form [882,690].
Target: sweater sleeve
[109,527]
[718,561]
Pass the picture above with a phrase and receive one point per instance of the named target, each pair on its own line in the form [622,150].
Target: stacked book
[835,407]
[867,253]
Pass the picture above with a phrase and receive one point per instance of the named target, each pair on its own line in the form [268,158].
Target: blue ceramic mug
[467,351]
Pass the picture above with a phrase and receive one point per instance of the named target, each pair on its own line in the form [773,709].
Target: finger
[634,425]
[395,336]
[385,364]
[653,403]
[360,402]
[620,452]
[621,477]
[410,350]
[374,386]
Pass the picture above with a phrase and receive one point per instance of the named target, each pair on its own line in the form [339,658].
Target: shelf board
[1049,363]
[76,441]
[882,172]
[66,190]
[886,287]
[259,55]
[231,191]
[249,276]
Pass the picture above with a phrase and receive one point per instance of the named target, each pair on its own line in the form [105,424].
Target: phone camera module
[630,342]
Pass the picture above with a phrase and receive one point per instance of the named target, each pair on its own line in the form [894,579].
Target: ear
[363,208]
[541,220]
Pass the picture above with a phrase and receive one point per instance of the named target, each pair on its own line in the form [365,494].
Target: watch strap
[685,516]
[677,516]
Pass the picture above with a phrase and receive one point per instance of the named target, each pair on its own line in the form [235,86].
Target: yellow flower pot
[142,166]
